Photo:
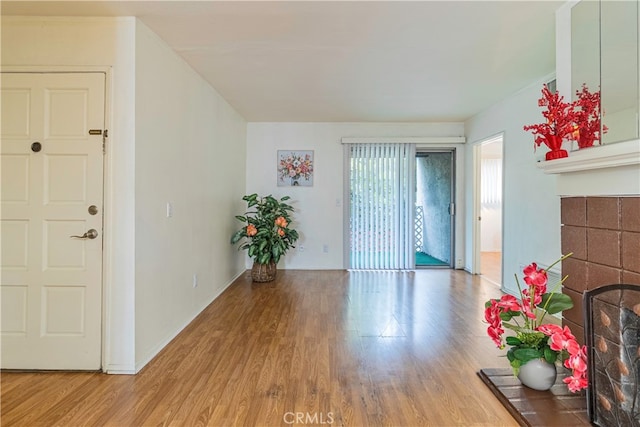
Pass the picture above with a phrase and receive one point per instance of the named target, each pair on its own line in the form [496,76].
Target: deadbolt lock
[93,209]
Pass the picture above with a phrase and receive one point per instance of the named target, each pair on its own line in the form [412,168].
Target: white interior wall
[160,114]
[55,44]
[531,214]
[190,152]
[319,209]
[490,229]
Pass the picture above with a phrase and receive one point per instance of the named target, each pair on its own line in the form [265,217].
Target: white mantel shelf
[599,157]
[607,170]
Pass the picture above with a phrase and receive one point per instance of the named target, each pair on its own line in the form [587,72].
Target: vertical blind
[491,182]
[382,198]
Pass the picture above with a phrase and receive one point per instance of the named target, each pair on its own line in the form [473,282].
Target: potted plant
[558,125]
[586,109]
[536,346]
[266,234]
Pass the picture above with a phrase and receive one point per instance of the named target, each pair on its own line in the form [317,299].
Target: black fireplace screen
[612,334]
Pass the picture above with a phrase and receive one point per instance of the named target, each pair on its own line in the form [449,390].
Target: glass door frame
[421,151]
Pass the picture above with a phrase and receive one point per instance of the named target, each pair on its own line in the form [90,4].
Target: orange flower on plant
[280,232]
[251,230]
[281,222]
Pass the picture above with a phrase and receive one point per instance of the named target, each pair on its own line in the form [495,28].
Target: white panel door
[51,176]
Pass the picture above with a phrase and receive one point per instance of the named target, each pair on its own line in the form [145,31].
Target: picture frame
[295,168]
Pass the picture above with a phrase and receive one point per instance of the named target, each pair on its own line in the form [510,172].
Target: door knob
[90,234]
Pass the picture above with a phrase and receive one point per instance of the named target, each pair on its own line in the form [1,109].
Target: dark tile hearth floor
[556,407]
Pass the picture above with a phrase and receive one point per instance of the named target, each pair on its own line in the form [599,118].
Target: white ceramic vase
[538,374]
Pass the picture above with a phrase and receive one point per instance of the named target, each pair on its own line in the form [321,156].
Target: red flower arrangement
[533,339]
[576,121]
[586,109]
[559,124]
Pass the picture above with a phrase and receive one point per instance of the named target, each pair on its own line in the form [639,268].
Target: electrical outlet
[301,248]
[169,210]
[325,248]
[195,280]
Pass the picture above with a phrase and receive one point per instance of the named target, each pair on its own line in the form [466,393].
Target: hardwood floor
[314,347]
[491,266]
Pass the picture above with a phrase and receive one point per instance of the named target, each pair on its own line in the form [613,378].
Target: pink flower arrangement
[534,339]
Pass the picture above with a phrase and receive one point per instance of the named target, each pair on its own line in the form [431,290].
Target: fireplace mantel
[599,157]
[608,170]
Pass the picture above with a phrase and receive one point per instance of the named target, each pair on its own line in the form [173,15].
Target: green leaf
[261,233]
[550,355]
[526,354]
[555,303]
[264,258]
[237,236]
[241,218]
[513,341]
[516,364]
[508,315]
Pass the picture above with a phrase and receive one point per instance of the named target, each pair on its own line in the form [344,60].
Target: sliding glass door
[381,209]
[435,210]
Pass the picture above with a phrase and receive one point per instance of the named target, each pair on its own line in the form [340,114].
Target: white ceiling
[317,61]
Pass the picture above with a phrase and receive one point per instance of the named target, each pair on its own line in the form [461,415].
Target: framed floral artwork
[295,168]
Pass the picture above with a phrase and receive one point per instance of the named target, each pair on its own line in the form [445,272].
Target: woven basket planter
[263,272]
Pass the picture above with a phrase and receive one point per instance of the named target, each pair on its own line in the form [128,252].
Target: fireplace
[599,190]
[603,232]
[604,235]
[612,326]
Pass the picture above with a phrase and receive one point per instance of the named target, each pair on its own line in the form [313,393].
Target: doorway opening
[488,207]
[434,209]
